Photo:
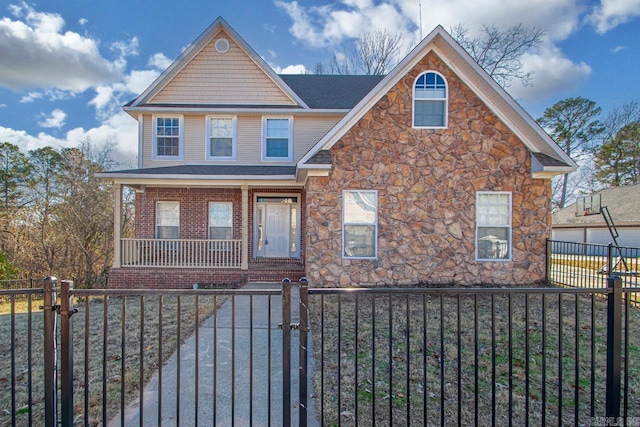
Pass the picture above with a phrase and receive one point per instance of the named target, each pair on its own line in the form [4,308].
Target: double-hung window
[493,226]
[221,220]
[220,224]
[430,101]
[277,140]
[168,138]
[168,223]
[359,224]
[221,138]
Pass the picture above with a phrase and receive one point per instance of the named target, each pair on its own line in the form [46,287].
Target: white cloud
[110,98]
[120,131]
[159,61]
[553,73]
[290,69]
[37,53]
[324,26]
[611,13]
[618,49]
[28,142]
[55,120]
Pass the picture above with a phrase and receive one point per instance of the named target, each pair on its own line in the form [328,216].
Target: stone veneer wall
[426,181]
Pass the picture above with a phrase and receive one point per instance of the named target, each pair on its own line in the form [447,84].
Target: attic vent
[222,45]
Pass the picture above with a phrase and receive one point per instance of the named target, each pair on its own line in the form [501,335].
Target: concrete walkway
[249,398]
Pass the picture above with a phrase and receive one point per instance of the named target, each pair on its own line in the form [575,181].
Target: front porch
[208,235]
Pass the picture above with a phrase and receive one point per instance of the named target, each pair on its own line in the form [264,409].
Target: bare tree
[499,52]
[376,53]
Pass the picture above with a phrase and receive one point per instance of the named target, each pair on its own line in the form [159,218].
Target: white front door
[277,230]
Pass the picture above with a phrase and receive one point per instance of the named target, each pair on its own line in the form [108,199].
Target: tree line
[56,216]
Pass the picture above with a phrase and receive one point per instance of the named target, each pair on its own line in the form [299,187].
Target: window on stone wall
[430,101]
[493,226]
[360,224]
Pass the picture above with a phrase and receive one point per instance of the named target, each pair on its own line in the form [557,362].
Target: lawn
[464,359]
[99,388]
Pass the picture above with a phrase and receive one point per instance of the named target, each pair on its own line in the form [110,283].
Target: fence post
[66,354]
[286,352]
[50,374]
[610,259]
[304,340]
[614,333]
[547,272]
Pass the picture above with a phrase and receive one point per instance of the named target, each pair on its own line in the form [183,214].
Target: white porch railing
[186,253]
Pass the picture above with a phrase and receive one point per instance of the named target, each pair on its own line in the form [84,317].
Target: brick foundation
[169,278]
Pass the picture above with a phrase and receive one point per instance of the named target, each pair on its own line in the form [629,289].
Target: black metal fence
[465,356]
[451,356]
[587,265]
[151,357]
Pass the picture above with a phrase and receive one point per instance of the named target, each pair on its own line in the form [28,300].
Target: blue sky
[67,67]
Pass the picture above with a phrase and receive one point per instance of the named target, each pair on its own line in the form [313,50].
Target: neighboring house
[429,174]
[623,204]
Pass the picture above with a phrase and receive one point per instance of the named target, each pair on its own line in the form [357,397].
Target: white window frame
[265,158]
[444,100]
[157,217]
[230,204]
[508,226]
[234,138]
[374,224]
[154,124]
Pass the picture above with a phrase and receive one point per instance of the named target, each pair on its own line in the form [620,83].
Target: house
[623,204]
[429,174]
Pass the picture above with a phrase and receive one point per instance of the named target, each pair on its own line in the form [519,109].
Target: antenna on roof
[420,14]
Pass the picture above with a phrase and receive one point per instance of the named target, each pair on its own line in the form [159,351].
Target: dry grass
[107,384]
[424,358]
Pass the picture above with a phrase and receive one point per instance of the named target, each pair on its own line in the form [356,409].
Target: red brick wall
[194,210]
[194,220]
[169,278]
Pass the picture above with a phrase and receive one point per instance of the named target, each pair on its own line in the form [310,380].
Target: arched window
[430,101]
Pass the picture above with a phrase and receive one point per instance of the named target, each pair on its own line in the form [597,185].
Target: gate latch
[294,326]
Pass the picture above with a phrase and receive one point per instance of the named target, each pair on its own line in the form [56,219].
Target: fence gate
[179,357]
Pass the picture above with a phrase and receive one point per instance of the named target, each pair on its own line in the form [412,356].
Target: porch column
[245,228]
[117,224]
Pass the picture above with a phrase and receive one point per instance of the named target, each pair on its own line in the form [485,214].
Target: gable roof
[623,204]
[331,91]
[493,95]
[197,46]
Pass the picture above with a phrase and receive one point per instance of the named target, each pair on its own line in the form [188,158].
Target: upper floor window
[430,101]
[277,140]
[167,138]
[493,226]
[221,138]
